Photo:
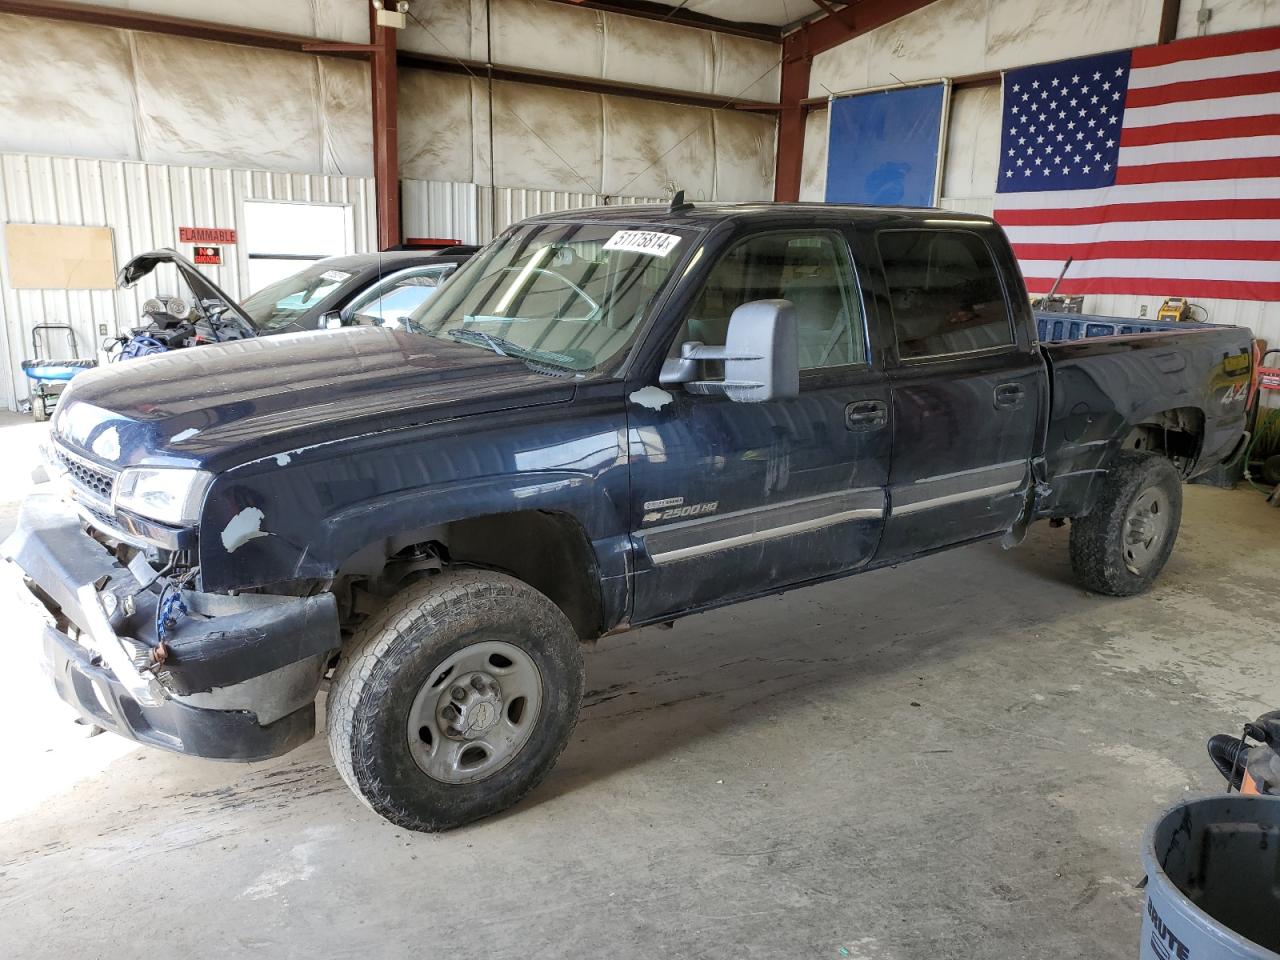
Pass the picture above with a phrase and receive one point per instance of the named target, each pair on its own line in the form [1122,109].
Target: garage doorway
[281,238]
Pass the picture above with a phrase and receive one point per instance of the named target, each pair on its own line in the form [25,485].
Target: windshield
[571,296]
[284,301]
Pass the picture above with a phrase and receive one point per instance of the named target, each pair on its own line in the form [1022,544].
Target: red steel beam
[565,81]
[1169,21]
[790,159]
[386,151]
[798,50]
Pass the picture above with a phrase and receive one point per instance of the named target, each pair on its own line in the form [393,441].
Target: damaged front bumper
[236,678]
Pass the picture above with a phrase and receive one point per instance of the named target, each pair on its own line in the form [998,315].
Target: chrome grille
[93,480]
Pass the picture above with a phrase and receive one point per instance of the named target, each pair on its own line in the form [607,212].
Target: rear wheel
[39,410]
[1124,543]
[456,700]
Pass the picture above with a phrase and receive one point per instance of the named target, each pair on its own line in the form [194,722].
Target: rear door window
[945,293]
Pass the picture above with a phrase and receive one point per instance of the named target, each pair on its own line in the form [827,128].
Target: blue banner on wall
[884,147]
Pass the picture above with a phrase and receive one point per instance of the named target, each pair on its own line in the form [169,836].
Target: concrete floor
[953,759]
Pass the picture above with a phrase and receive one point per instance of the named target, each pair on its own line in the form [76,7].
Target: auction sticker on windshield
[337,276]
[643,241]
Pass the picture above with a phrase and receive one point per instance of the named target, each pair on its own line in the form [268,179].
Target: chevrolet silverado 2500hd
[605,419]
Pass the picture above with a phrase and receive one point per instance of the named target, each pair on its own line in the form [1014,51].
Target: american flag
[1156,169]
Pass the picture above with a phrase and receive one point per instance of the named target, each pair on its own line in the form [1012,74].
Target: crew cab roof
[707,215]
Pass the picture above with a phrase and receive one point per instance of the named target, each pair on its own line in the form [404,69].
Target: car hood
[227,404]
[204,289]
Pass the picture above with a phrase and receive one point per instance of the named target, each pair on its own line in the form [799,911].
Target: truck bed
[1109,374]
[1057,327]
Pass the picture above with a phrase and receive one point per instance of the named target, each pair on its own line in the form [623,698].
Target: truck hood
[225,404]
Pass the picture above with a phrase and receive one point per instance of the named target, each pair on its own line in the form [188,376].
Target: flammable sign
[209,255]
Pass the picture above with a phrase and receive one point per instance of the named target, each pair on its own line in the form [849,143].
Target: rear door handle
[1009,396]
[866,415]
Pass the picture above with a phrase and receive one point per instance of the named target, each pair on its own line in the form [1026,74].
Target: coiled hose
[1229,754]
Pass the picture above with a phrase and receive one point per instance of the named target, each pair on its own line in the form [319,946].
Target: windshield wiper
[505,348]
[476,336]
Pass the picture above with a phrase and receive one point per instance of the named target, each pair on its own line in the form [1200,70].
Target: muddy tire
[1123,544]
[456,700]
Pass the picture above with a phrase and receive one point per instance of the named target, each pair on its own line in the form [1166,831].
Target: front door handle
[1009,396]
[866,415]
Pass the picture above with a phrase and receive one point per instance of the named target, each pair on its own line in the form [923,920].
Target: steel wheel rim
[475,712]
[1146,524]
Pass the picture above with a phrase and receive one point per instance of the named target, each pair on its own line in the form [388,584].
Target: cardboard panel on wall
[47,257]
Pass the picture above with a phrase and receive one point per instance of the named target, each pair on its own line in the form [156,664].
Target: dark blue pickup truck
[607,418]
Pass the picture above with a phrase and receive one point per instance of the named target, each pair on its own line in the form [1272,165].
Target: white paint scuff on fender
[654,398]
[282,459]
[244,526]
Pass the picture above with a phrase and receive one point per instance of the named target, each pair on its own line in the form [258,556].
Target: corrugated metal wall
[146,203]
[465,211]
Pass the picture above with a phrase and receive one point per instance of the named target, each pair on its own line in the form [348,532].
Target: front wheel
[1124,543]
[456,700]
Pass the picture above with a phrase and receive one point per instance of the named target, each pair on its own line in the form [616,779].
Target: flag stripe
[1188,132]
[1172,212]
[1216,88]
[1199,170]
[1181,71]
[1258,188]
[1219,149]
[1148,287]
[1168,268]
[1157,229]
[1258,105]
[1257,250]
[1199,48]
